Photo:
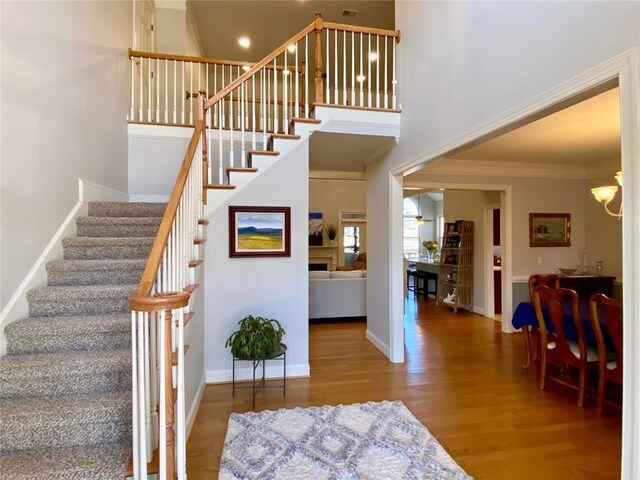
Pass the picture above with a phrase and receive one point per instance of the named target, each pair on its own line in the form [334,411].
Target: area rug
[369,441]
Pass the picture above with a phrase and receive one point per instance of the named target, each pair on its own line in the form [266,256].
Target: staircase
[65,383]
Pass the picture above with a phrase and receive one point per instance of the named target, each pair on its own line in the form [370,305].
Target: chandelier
[608,193]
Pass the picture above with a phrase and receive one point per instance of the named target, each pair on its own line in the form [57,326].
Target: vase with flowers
[432,247]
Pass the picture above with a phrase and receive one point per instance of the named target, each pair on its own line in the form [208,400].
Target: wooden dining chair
[610,370]
[531,344]
[554,346]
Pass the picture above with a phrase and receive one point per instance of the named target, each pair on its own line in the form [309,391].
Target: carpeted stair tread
[79,300]
[126,209]
[95,272]
[66,373]
[88,248]
[99,462]
[66,421]
[117,226]
[60,334]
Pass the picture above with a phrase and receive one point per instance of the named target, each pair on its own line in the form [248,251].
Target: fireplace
[318,267]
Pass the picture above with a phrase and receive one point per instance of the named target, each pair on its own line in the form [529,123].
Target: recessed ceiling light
[361,78]
[412,188]
[292,48]
[373,56]
[246,68]
[244,42]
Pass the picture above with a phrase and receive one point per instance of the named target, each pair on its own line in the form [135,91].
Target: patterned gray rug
[372,441]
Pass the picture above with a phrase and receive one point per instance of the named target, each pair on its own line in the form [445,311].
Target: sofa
[338,294]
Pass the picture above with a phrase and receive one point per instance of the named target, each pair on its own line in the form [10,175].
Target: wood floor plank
[462,379]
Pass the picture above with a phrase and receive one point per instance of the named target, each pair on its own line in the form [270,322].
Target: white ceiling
[583,134]
[338,152]
[270,23]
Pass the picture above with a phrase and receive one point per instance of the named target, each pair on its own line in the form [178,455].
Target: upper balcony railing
[351,66]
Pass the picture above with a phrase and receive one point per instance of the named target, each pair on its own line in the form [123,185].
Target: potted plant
[258,337]
[332,232]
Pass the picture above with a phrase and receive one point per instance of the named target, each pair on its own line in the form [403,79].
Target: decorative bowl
[568,271]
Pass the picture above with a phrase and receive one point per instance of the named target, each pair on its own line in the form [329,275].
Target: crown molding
[336,175]
[596,170]
[486,168]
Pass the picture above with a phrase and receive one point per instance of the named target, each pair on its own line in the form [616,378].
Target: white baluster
[147,384]
[253,112]
[378,71]
[335,61]
[328,70]
[164,389]
[149,88]
[220,121]
[181,95]
[285,95]
[215,91]
[344,67]
[140,91]
[269,117]
[180,407]
[263,85]
[136,434]
[142,360]
[133,89]
[222,107]
[393,72]
[369,103]
[353,68]
[175,91]
[231,162]
[157,84]
[191,93]
[166,91]
[296,111]
[242,118]
[386,74]
[306,76]
[361,79]
[275,97]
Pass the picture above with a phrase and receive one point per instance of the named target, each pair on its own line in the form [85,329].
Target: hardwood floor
[462,379]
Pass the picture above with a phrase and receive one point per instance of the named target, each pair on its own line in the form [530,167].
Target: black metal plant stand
[279,355]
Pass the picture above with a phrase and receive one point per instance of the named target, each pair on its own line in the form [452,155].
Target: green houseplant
[332,231]
[258,337]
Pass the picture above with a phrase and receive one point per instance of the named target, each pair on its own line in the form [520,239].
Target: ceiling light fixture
[292,48]
[246,68]
[361,78]
[244,42]
[373,56]
[606,194]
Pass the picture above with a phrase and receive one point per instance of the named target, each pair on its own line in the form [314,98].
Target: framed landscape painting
[259,231]
[549,229]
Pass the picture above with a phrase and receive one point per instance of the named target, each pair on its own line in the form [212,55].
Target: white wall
[478,60]
[268,287]
[331,196]
[65,101]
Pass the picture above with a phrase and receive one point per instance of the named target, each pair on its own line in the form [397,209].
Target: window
[411,231]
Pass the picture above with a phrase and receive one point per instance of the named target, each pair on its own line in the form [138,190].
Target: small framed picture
[549,229]
[259,231]
[450,228]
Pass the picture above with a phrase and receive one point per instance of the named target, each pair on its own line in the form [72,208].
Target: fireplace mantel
[328,255]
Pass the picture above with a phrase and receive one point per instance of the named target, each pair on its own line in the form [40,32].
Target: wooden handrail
[257,66]
[357,29]
[139,300]
[186,58]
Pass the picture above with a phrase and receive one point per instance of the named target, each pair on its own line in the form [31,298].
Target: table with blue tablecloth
[525,317]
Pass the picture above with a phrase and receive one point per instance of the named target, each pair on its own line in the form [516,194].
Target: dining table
[525,318]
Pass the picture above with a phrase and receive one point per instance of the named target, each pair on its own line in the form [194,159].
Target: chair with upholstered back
[554,346]
[550,280]
[609,370]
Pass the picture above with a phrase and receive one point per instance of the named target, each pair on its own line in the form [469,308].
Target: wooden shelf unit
[456,266]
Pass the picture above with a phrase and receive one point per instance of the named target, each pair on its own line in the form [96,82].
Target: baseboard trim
[195,405]
[244,373]
[379,344]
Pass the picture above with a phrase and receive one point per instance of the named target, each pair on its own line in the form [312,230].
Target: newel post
[318,74]
[202,115]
